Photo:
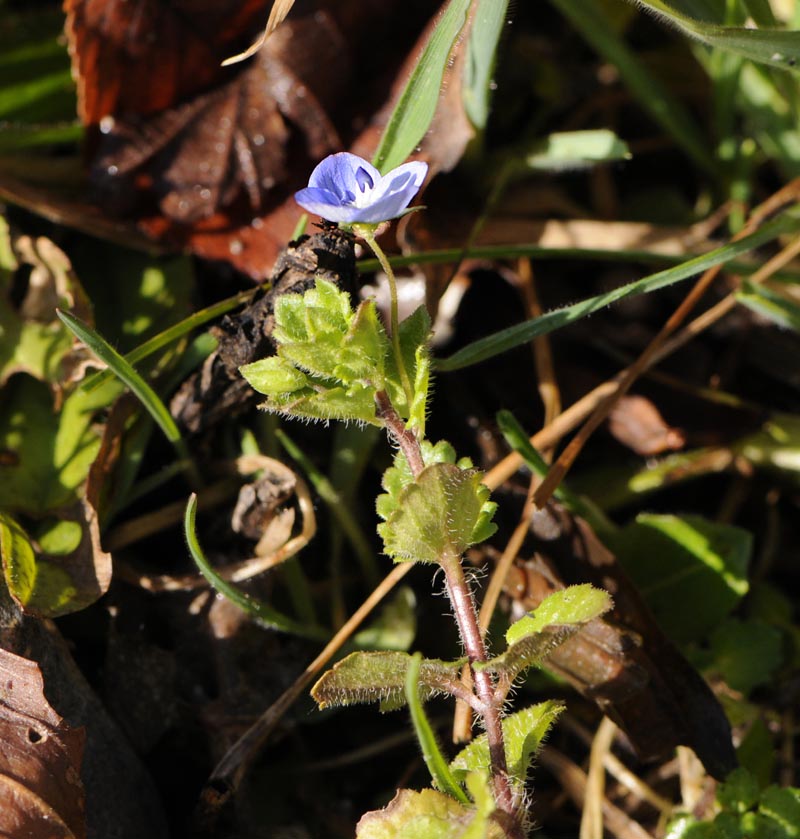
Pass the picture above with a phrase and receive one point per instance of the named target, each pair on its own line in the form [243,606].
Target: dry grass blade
[280,8]
[592,817]
[574,781]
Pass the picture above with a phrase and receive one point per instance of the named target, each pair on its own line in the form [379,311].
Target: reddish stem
[467,620]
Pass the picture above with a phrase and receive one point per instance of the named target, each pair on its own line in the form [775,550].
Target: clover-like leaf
[444,511]
[380,677]
[523,733]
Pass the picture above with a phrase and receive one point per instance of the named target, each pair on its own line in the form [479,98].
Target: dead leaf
[636,423]
[623,661]
[41,794]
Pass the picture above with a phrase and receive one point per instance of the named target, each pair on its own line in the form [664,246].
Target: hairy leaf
[440,515]
[427,815]
[380,677]
[524,733]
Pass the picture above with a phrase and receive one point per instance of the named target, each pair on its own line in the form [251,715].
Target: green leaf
[260,612]
[342,351]
[484,36]
[380,677]
[570,606]
[746,653]
[756,752]
[399,476]
[739,792]
[782,806]
[48,453]
[691,571]
[58,537]
[417,103]
[19,559]
[523,732]
[439,515]
[682,826]
[48,585]
[415,333]
[776,47]
[575,150]
[353,404]
[533,638]
[431,753]
[426,815]
[273,376]
[126,373]
[523,333]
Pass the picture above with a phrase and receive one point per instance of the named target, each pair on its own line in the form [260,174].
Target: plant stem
[404,437]
[467,620]
[394,319]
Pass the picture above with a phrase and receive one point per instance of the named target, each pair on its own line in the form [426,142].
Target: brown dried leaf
[636,423]
[41,794]
[623,661]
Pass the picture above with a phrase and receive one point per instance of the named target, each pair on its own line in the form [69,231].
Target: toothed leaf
[438,515]
[380,677]
[523,732]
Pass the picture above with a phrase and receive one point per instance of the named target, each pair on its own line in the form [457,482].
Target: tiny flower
[347,189]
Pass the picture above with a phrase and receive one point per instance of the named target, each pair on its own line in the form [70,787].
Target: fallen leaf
[41,794]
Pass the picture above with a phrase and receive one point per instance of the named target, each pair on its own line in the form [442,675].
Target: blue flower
[346,188]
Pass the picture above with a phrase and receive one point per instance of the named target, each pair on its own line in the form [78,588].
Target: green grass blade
[138,386]
[587,17]
[417,104]
[15,98]
[434,759]
[263,614]
[776,47]
[490,17]
[168,336]
[521,333]
[536,251]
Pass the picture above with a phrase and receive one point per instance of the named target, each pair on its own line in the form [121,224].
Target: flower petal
[324,203]
[394,192]
[407,178]
[386,208]
[338,173]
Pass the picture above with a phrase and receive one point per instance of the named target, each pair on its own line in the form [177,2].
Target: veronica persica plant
[335,361]
[347,189]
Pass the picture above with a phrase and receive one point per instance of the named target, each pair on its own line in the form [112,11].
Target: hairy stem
[394,320]
[404,437]
[467,620]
